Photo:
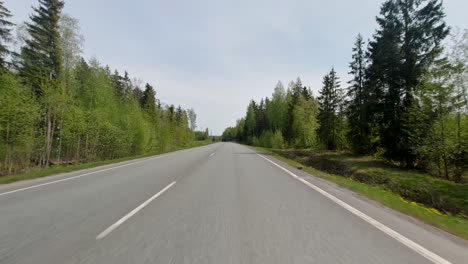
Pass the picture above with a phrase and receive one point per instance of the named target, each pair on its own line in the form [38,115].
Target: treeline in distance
[56,107]
[406,100]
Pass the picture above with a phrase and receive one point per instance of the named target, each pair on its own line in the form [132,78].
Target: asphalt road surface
[221,203]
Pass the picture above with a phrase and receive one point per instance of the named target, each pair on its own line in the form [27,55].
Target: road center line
[79,176]
[212,154]
[434,258]
[132,213]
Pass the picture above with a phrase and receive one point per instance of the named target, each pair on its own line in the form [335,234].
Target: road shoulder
[432,238]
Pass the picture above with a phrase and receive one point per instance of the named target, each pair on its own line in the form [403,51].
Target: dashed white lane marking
[212,154]
[387,230]
[132,213]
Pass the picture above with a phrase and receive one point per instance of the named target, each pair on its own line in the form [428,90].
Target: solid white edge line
[122,220]
[82,175]
[390,232]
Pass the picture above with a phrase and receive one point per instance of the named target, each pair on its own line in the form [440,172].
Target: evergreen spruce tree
[127,86]
[41,68]
[41,58]
[170,113]
[297,90]
[360,125]
[423,32]
[250,120]
[138,95]
[118,84]
[404,48]
[148,100]
[293,94]
[179,115]
[261,122]
[329,102]
[383,78]
[5,34]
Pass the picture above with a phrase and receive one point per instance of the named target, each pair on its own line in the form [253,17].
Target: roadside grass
[38,172]
[455,224]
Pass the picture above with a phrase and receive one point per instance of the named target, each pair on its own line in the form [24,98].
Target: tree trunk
[444,149]
[44,150]
[77,154]
[459,156]
[49,137]
[8,149]
[60,139]
[86,147]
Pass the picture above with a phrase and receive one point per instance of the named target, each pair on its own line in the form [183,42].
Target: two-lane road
[221,203]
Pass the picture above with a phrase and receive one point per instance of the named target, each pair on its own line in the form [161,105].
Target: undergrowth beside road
[437,202]
[56,169]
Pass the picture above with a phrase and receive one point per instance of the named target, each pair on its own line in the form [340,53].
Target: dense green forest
[56,107]
[406,100]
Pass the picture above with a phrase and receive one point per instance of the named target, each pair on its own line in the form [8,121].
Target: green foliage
[201,135]
[41,59]
[192,118]
[442,151]
[407,99]
[359,119]
[71,43]
[269,139]
[148,101]
[330,117]
[305,123]
[61,109]
[250,119]
[287,118]
[277,108]
[277,141]
[405,46]
[18,115]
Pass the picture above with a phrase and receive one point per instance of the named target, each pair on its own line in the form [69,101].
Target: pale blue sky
[216,55]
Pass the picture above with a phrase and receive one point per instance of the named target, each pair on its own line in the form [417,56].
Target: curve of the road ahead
[221,203]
